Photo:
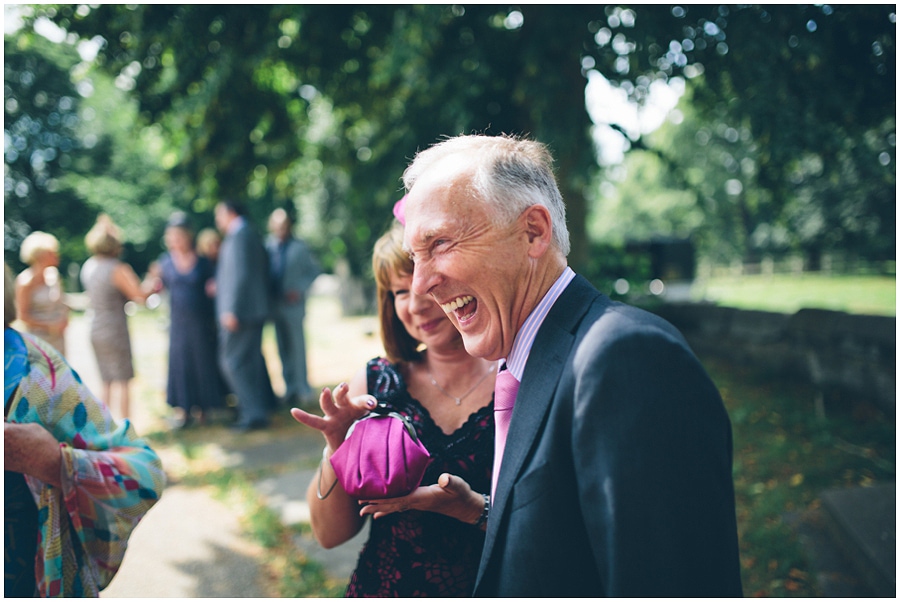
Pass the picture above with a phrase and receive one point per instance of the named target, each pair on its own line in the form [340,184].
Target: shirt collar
[521,348]
[236,224]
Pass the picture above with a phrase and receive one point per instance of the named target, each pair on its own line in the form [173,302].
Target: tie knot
[505,389]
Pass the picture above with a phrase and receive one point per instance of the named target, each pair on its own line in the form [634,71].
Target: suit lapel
[546,362]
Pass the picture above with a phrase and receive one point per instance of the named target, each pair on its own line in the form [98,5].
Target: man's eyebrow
[424,239]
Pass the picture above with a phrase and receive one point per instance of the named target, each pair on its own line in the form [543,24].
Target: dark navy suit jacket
[616,478]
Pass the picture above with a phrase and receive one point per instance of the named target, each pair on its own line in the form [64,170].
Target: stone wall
[833,350]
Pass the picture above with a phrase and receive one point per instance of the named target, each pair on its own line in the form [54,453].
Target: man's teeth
[457,303]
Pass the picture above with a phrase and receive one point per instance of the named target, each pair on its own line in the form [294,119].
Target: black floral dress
[425,554]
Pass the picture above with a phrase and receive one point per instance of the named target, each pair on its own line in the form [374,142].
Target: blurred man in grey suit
[242,307]
[293,269]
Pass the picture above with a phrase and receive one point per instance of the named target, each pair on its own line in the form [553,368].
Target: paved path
[192,545]
[189,546]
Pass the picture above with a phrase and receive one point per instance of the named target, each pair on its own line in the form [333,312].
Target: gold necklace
[458,400]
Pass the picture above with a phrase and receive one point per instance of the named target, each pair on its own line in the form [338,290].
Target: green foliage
[75,154]
[789,139]
[322,106]
[236,90]
[42,145]
[849,209]
[607,263]
[639,200]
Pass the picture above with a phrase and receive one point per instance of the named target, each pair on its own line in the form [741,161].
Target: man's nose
[424,279]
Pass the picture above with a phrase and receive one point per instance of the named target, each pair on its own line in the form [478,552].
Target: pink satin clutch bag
[381,457]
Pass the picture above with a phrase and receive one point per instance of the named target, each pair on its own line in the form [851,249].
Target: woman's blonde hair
[389,259]
[206,239]
[35,244]
[104,238]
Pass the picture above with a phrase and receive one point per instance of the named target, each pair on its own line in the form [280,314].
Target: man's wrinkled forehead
[425,218]
[436,201]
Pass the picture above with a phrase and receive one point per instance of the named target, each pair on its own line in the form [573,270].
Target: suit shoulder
[586,312]
[613,331]
[615,314]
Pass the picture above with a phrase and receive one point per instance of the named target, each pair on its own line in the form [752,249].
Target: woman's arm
[24,285]
[30,449]
[106,478]
[154,281]
[334,515]
[124,279]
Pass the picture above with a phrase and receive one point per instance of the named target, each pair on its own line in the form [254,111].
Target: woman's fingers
[353,407]
[340,411]
[310,420]
[453,485]
[364,404]
[381,509]
[326,401]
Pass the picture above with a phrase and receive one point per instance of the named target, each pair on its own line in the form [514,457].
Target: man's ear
[539,228]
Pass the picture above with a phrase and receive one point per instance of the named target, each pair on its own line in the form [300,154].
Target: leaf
[796,573]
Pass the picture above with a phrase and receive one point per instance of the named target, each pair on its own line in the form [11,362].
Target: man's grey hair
[508,173]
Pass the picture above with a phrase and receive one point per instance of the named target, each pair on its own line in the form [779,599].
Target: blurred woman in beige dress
[39,292]
[110,283]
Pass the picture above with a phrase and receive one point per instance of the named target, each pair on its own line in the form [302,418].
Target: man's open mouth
[464,307]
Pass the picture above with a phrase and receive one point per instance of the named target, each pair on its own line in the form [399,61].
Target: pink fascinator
[398,210]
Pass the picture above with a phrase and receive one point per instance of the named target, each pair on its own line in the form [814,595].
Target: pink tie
[505,389]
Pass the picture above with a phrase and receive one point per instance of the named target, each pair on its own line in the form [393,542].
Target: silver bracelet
[484,513]
[319,481]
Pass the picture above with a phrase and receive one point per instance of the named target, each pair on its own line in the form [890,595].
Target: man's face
[223,218]
[177,239]
[477,271]
[280,227]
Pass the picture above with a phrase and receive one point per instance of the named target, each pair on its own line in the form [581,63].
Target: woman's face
[177,239]
[47,258]
[424,320]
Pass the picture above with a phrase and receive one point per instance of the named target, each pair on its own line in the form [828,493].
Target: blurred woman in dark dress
[193,381]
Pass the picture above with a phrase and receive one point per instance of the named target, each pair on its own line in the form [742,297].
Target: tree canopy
[321,106]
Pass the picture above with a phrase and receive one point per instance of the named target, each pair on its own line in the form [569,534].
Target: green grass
[784,458]
[787,293]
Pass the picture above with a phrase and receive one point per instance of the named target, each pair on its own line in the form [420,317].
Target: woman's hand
[451,496]
[229,321]
[30,449]
[340,412]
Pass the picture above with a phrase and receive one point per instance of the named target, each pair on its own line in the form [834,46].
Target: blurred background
[731,167]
